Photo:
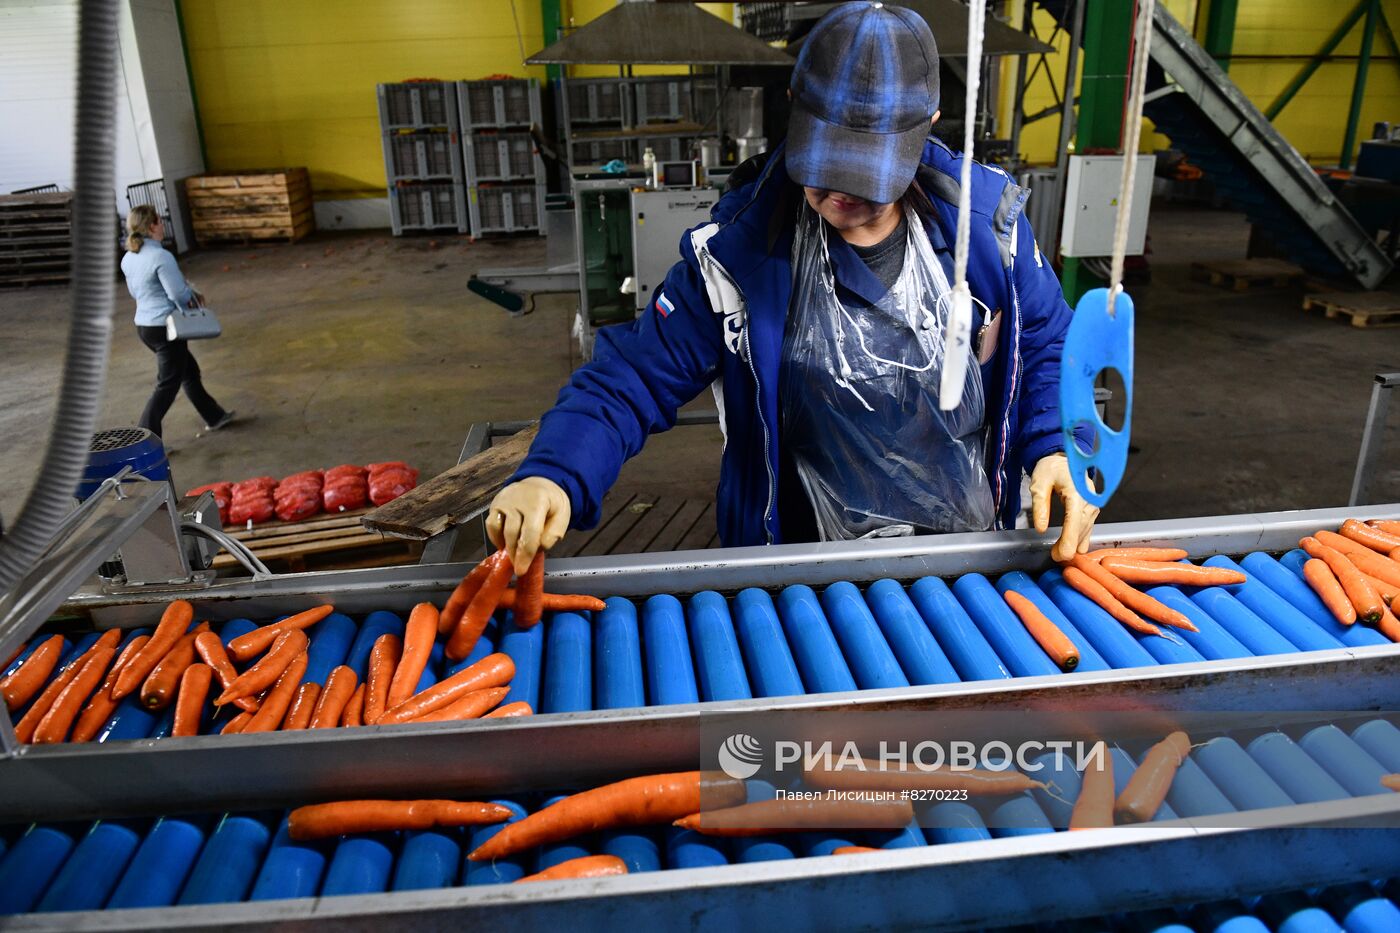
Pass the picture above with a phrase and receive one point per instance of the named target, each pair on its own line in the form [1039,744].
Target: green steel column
[1108,27]
[1316,62]
[553,18]
[1220,31]
[1358,90]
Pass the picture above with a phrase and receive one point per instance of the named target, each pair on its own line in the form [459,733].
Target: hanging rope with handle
[958,335]
[1132,132]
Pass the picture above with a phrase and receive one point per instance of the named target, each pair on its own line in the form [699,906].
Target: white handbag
[197,323]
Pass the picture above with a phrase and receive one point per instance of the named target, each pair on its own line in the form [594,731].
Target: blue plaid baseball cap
[863,92]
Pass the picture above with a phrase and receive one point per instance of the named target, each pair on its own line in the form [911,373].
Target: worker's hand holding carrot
[1051,477]
[526,517]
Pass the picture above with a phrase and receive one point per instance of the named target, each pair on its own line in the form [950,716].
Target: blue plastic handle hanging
[1096,341]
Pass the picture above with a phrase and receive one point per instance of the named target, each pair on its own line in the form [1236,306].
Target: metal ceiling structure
[947,19]
[637,33]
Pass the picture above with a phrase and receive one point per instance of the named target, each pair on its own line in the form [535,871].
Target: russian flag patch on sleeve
[664,306]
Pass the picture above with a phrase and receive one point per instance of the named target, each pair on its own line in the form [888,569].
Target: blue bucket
[116,448]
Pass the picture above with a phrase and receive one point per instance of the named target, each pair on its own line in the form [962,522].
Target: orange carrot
[173,623]
[1155,573]
[530,594]
[321,820]
[418,638]
[1094,807]
[159,687]
[383,658]
[767,816]
[14,654]
[1365,559]
[1324,583]
[1098,593]
[189,705]
[330,706]
[1362,594]
[1391,781]
[1387,591]
[56,722]
[275,704]
[354,714]
[510,711]
[1389,626]
[872,776]
[638,801]
[1046,634]
[466,591]
[469,706]
[236,724]
[20,686]
[1373,538]
[494,670]
[247,647]
[1389,527]
[299,716]
[29,723]
[1148,786]
[1138,553]
[465,635]
[556,602]
[1135,600]
[854,850]
[101,706]
[269,668]
[587,866]
[211,650]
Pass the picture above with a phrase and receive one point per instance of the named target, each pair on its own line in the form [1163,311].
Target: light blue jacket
[154,280]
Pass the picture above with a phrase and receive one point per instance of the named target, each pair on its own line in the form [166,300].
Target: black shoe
[223,422]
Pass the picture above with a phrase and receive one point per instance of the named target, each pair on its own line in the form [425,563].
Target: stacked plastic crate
[505,175]
[421,131]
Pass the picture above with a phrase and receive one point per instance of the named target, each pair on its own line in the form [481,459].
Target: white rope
[1132,129]
[958,339]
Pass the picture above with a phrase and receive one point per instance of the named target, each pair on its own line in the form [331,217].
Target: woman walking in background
[154,280]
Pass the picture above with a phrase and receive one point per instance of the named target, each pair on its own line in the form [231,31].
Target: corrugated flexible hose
[90,326]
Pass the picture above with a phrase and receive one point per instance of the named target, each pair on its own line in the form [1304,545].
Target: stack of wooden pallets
[270,204]
[36,238]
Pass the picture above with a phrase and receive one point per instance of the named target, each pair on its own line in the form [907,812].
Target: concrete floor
[355,348]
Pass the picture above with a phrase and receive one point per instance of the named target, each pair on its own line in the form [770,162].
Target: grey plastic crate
[596,100]
[423,156]
[503,157]
[417,104]
[501,103]
[430,206]
[597,152]
[662,100]
[506,208]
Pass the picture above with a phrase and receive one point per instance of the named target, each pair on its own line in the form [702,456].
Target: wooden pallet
[35,238]
[1243,274]
[322,542]
[1362,309]
[273,204]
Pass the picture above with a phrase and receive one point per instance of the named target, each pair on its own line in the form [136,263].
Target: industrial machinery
[659,219]
[688,637]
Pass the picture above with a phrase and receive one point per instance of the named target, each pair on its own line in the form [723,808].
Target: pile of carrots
[1356,573]
[258,677]
[1109,577]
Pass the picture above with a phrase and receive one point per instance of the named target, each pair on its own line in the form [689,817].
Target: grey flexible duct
[90,328]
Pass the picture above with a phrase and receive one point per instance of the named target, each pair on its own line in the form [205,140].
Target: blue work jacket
[717,321]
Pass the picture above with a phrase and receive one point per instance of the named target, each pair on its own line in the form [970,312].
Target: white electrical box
[1091,205]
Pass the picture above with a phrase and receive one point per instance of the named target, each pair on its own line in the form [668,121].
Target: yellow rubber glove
[1051,477]
[527,516]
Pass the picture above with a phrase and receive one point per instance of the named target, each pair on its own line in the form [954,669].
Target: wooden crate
[1361,309]
[1244,274]
[322,542]
[271,204]
[36,238]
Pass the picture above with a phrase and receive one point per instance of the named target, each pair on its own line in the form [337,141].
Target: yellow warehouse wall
[1313,122]
[292,82]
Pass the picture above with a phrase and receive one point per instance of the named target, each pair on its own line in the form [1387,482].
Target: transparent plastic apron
[859,396]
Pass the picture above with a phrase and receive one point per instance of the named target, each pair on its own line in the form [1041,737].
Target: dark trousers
[176,369]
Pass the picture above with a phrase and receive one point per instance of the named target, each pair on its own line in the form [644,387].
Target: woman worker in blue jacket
[813,305]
